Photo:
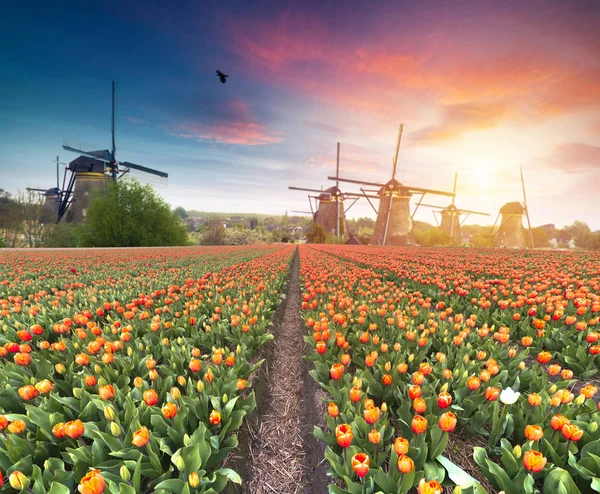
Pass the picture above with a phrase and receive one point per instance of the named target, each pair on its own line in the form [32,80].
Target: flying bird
[222,77]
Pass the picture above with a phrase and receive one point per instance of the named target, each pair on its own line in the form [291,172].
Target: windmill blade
[144,169]
[468,211]
[432,206]
[527,210]
[301,212]
[89,154]
[354,194]
[351,181]
[308,190]
[395,163]
[430,191]
[454,189]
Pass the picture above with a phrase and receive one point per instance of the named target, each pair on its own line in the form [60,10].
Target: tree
[540,238]
[128,214]
[10,219]
[61,235]
[213,233]
[578,231]
[31,207]
[317,234]
[181,212]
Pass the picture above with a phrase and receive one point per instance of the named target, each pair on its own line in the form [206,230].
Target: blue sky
[480,90]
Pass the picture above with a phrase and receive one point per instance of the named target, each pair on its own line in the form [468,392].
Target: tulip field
[134,370]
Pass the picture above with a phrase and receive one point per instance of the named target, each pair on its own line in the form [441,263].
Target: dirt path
[283,453]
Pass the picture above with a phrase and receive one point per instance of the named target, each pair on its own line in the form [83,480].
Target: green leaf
[56,488]
[558,481]
[231,475]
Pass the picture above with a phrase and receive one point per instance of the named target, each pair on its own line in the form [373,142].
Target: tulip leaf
[596,484]
[558,481]
[56,488]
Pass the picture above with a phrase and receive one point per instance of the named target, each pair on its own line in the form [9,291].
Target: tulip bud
[522,365]
[466,359]
[187,440]
[60,368]
[384,407]
[238,350]
[125,473]
[445,340]
[469,346]
[115,430]
[97,369]
[76,345]
[593,427]
[180,341]
[181,380]
[102,382]
[175,393]
[194,480]
[130,351]
[444,388]
[357,383]
[77,392]
[226,398]
[179,463]
[200,386]
[517,451]
[18,481]
[580,400]
[411,357]
[457,490]
[465,374]
[552,389]
[109,413]
[141,347]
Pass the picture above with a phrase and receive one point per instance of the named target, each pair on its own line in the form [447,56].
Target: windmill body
[450,223]
[393,213]
[511,233]
[51,205]
[89,177]
[327,212]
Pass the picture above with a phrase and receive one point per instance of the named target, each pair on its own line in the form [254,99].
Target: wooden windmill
[329,210]
[511,232]
[394,218]
[451,222]
[91,171]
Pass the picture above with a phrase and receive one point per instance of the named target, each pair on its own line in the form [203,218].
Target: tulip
[571,432]
[44,386]
[336,372]
[92,483]
[355,394]
[419,406]
[28,392]
[414,392]
[214,417]
[18,481]
[106,392]
[332,410]
[374,436]
[169,410]
[150,397]
[508,396]
[444,400]
[3,423]
[344,435]
[59,430]
[16,427]
[430,487]
[534,461]
[491,393]
[534,399]
[360,464]
[371,415]
[405,464]
[558,421]
[74,429]
[473,383]
[418,424]
[140,437]
[534,432]
[447,421]
[401,446]
[544,357]
[194,480]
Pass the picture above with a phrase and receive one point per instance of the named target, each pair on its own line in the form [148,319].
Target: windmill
[394,219]
[53,197]
[451,222]
[329,210]
[511,231]
[91,171]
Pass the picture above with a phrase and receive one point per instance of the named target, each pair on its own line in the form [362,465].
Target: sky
[481,87]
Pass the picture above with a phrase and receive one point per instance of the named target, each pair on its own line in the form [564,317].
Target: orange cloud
[244,133]
[575,157]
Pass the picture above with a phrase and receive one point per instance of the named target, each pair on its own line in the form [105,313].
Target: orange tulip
[401,446]
[557,422]
[447,421]
[59,430]
[374,436]
[140,437]
[106,392]
[332,410]
[3,423]
[534,432]
[544,357]
[491,393]
[92,483]
[418,424]
[74,429]
[169,410]
[344,435]
[534,461]
[28,392]
[571,432]
[444,400]
[336,372]
[371,415]
[44,386]
[534,399]
[419,405]
[150,397]
[430,487]
[360,464]
[414,392]
[473,383]
[355,395]
[16,426]
[215,417]
[405,464]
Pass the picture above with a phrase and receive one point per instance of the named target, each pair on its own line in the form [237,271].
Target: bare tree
[31,206]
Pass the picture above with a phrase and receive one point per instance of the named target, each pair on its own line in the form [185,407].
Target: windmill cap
[87,164]
[330,192]
[512,208]
[393,186]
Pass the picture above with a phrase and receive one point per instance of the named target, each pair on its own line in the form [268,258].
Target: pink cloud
[575,157]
